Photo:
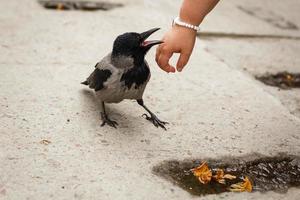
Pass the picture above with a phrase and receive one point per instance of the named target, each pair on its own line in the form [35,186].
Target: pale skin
[181,39]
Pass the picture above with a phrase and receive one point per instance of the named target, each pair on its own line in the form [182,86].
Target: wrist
[184,31]
[177,21]
[189,20]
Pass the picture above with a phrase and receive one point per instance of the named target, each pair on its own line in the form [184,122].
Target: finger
[169,68]
[182,61]
[163,62]
[157,53]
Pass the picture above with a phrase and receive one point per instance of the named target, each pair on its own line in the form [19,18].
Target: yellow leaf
[229,176]
[60,6]
[242,186]
[221,176]
[289,77]
[203,173]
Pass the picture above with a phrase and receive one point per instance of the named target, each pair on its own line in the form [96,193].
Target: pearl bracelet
[184,24]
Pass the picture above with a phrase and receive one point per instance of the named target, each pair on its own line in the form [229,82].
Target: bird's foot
[106,120]
[156,122]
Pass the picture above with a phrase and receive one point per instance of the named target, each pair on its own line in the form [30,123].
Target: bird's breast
[124,85]
[137,75]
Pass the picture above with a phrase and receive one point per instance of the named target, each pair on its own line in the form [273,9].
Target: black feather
[85,82]
[137,75]
[97,78]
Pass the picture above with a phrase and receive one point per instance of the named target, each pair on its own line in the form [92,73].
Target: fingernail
[179,69]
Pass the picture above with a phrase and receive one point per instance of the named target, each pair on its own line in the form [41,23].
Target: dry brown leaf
[45,142]
[203,173]
[242,186]
[289,77]
[229,176]
[221,176]
[60,6]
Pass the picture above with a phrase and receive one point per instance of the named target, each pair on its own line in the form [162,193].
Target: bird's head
[134,44]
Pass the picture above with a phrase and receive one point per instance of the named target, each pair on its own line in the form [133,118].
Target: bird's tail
[85,82]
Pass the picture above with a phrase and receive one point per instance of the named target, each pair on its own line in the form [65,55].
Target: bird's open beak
[145,35]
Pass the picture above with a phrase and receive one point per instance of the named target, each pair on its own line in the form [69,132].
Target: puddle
[79,5]
[265,173]
[282,80]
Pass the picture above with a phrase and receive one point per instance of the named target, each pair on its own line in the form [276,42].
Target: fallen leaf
[45,142]
[242,186]
[60,6]
[221,176]
[203,173]
[229,176]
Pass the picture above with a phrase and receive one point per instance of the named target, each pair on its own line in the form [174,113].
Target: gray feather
[106,80]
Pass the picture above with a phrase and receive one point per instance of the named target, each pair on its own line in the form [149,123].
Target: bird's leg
[157,122]
[105,119]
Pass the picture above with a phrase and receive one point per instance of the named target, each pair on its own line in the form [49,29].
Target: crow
[124,74]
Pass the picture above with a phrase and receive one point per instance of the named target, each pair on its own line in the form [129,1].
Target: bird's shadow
[91,100]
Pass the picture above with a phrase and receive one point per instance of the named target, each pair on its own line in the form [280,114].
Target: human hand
[177,40]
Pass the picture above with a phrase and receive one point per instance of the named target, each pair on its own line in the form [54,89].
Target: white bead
[181,23]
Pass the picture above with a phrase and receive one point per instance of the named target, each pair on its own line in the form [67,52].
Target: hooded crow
[124,74]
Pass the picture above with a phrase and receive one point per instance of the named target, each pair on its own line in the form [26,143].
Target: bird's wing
[103,70]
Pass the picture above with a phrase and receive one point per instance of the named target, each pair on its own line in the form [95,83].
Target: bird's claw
[156,122]
[109,122]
